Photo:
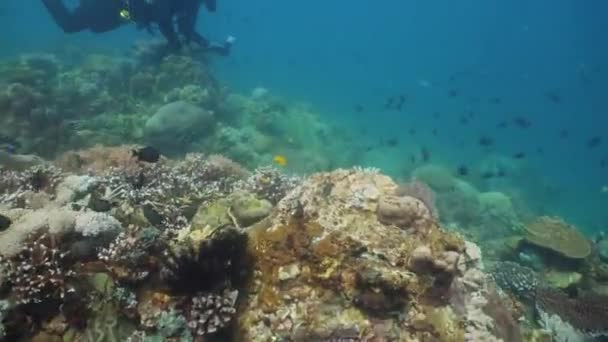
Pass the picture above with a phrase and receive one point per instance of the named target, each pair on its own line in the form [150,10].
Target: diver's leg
[68,21]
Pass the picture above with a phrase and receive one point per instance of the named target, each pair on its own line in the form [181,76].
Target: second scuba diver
[176,19]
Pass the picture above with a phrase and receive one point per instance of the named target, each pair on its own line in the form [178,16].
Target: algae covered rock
[327,267]
[248,209]
[558,236]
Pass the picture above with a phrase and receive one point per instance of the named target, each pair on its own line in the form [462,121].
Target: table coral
[556,235]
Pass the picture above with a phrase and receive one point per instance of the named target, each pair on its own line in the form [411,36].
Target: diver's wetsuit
[105,15]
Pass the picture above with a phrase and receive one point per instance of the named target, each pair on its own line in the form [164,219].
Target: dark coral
[520,280]
[587,313]
[219,261]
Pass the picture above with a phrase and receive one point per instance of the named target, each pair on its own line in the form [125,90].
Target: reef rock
[327,268]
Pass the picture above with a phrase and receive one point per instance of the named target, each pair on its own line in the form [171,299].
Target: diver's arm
[186,24]
[211,5]
[69,22]
[166,29]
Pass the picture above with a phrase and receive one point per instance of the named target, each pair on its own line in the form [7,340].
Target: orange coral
[555,234]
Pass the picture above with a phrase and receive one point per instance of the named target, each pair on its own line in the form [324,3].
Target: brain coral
[555,234]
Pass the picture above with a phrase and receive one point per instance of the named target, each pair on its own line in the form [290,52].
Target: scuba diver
[105,15]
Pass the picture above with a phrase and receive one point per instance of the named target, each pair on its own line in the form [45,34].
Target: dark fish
[425,154]
[147,154]
[369,148]
[519,155]
[487,175]
[564,134]
[501,173]
[463,170]
[392,142]
[540,151]
[522,122]
[358,108]
[453,93]
[413,159]
[412,131]
[5,222]
[486,141]
[495,100]
[594,142]
[434,131]
[401,99]
[502,124]
[389,102]
[554,96]
[463,120]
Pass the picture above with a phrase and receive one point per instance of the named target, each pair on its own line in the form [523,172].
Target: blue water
[337,55]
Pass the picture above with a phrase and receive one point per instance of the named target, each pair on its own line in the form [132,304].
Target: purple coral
[38,272]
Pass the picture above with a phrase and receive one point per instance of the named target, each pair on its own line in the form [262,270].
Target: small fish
[280,160]
[453,93]
[502,124]
[358,108]
[594,142]
[462,170]
[392,142]
[522,122]
[564,134]
[147,154]
[553,96]
[463,120]
[425,154]
[495,100]
[412,131]
[487,175]
[519,155]
[486,141]
[389,102]
[434,131]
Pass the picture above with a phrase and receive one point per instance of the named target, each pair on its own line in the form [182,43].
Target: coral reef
[38,272]
[558,236]
[210,313]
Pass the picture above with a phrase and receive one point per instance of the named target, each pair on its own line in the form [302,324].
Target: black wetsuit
[105,15]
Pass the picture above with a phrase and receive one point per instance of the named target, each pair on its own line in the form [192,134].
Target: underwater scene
[319,171]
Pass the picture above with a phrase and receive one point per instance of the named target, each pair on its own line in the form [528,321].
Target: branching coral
[209,313]
[14,184]
[38,272]
[270,184]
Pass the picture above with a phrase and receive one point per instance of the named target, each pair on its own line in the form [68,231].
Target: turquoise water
[345,60]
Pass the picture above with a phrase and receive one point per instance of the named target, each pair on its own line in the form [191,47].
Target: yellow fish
[279,159]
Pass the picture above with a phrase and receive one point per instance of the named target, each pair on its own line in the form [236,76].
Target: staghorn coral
[15,185]
[558,236]
[210,313]
[38,272]
[269,183]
